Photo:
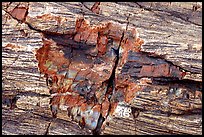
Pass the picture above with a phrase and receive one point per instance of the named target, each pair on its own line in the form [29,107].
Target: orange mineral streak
[12,46]
[130,45]
[49,17]
[46,17]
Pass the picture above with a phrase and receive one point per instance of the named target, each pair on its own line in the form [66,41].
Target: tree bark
[166,105]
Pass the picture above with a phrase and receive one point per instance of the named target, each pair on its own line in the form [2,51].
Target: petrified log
[102,76]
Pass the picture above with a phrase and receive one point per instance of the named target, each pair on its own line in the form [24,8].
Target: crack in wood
[47,129]
[111,81]
[135,113]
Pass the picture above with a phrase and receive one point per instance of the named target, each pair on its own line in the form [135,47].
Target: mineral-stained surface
[80,68]
[92,68]
[138,70]
[100,74]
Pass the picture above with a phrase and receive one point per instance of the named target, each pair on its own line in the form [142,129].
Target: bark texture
[137,88]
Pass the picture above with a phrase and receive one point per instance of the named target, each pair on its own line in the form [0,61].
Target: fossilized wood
[172,31]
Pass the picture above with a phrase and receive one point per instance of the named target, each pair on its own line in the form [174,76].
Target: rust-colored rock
[79,68]
[19,13]
[93,68]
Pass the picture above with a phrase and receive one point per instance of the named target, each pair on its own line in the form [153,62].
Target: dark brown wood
[171,32]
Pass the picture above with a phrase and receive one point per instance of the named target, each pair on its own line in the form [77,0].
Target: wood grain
[172,31]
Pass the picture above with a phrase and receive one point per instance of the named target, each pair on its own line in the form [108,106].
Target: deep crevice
[110,89]
[111,81]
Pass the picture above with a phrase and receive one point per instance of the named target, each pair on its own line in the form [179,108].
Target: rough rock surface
[97,70]
[80,68]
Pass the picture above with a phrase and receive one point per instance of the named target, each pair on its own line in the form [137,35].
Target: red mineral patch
[81,69]
[19,13]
